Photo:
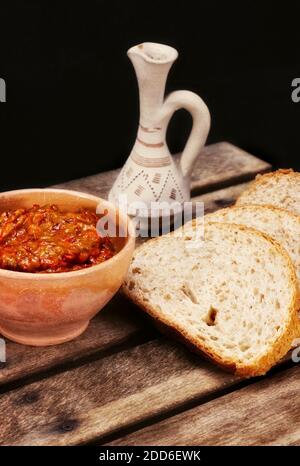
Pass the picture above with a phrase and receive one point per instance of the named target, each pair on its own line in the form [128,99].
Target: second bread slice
[280,224]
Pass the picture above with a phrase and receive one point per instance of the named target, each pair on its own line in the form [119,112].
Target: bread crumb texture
[280,189]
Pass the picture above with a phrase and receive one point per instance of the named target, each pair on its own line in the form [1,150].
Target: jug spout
[154,53]
[152,63]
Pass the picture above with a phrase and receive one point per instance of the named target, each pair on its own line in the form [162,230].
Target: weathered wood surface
[218,165]
[119,322]
[100,398]
[221,198]
[263,413]
[103,396]
[112,376]
[223,164]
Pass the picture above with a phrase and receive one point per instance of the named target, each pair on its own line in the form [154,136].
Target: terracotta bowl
[43,309]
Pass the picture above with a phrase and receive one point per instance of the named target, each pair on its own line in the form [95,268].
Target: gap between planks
[117,328]
[110,395]
[231,419]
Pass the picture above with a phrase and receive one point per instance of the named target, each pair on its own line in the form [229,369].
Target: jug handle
[201,123]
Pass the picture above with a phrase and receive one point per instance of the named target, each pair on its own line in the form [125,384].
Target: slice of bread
[280,189]
[280,224]
[233,298]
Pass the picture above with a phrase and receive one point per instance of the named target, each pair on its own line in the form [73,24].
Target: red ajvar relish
[46,239]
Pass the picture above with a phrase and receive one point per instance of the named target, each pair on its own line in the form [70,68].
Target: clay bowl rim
[130,239]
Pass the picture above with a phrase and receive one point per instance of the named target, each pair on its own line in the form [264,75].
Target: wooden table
[122,383]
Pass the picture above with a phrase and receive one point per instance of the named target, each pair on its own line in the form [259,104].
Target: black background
[72,107]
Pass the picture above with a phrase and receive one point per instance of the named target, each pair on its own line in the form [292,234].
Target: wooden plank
[118,323]
[103,396]
[265,413]
[221,198]
[224,164]
[99,398]
[218,165]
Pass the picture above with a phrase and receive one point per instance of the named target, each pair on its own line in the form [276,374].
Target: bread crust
[281,345]
[254,207]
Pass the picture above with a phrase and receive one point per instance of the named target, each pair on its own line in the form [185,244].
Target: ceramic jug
[150,174]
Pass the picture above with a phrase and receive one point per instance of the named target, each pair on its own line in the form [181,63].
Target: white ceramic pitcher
[150,173]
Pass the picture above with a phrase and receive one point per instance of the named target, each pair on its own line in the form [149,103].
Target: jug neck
[152,63]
